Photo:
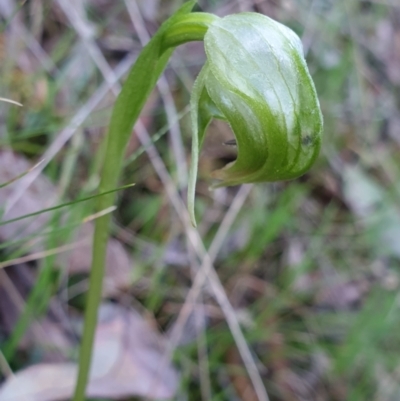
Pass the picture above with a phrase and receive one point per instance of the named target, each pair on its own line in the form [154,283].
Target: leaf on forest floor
[40,195]
[128,361]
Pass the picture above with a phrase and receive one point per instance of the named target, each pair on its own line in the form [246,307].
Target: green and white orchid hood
[256,79]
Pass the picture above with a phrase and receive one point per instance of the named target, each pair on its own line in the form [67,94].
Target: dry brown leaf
[128,361]
[42,194]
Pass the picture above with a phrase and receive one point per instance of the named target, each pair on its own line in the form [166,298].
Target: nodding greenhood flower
[257,80]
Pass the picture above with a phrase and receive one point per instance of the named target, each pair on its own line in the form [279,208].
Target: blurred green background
[311,267]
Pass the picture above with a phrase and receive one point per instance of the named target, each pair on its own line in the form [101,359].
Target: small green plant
[255,78]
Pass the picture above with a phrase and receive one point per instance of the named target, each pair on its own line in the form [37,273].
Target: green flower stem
[190,28]
[120,128]
[137,88]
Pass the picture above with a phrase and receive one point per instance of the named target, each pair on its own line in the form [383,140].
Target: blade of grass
[39,296]
[49,209]
[3,99]
[4,184]
[208,271]
[64,136]
[42,254]
[36,297]
[156,137]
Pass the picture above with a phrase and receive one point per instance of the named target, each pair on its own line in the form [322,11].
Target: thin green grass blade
[37,299]
[49,209]
[16,242]
[155,137]
[4,184]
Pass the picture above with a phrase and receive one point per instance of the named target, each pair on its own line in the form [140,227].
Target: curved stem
[125,114]
[180,28]
[190,28]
